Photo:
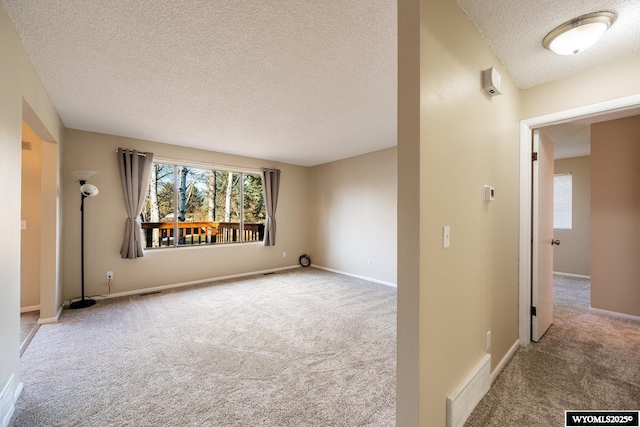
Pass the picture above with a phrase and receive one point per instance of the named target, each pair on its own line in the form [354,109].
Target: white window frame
[176,163]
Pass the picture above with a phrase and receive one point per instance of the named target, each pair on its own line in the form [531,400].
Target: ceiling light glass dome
[578,34]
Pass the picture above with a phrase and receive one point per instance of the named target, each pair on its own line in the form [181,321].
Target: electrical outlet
[369,262]
[109,275]
[488,340]
[284,254]
[446,236]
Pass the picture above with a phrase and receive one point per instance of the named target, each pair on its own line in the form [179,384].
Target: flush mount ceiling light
[579,33]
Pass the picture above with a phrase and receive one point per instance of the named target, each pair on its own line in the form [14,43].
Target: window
[187,206]
[562,201]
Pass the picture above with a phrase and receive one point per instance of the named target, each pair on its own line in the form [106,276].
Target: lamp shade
[89,190]
[82,175]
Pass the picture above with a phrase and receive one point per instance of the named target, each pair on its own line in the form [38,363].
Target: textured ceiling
[515,28]
[573,139]
[298,81]
[570,140]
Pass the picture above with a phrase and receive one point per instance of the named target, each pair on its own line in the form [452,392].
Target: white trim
[192,283]
[30,308]
[368,279]
[580,276]
[524,319]
[526,127]
[614,314]
[44,321]
[8,399]
[507,357]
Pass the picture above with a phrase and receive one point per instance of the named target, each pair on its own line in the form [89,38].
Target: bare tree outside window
[211,207]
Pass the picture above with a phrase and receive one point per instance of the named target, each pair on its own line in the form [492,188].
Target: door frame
[526,130]
[51,221]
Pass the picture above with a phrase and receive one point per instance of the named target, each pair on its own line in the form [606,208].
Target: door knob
[555,242]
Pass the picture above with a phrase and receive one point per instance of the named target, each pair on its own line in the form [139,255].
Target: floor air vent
[466,396]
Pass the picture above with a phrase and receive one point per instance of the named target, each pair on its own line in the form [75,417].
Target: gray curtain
[135,168]
[270,187]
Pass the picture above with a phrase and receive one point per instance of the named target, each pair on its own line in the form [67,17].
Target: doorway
[562,204]
[31,235]
[31,219]
[40,255]
[620,106]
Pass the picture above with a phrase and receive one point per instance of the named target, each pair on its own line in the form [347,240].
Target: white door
[542,242]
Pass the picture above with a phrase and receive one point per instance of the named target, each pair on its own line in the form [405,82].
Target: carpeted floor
[584,361]
[28,321]
[28,328]
[298,348]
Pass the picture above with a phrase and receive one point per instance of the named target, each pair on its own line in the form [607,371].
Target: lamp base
[83,303]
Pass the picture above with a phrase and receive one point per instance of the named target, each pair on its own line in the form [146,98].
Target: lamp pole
[82,303]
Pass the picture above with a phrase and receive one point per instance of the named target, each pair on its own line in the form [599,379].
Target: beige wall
[31,213]
[22,96]
[353,212]
[466,140]
[105,219]
[574,253]
[615,216]
[409,373]
[601,84]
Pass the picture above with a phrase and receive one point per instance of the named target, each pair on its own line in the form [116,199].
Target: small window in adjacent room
[562,201]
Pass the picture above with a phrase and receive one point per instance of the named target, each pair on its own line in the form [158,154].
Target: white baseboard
[368,279]
[192,283]
[505,360]
[30,308]
[580,276]
[9,394]
[43,321]
[615,314]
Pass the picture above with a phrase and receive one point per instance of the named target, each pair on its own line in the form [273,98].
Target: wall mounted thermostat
[492,81]
[489,193]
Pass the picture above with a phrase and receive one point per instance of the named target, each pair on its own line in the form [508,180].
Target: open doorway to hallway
[572,198]
[31,235]
[571,214]
[614,115]
[40,224]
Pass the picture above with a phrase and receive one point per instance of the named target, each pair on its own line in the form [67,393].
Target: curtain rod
[181,162]
[139,153]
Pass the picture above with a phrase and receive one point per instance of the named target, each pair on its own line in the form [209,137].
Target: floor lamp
[86,190]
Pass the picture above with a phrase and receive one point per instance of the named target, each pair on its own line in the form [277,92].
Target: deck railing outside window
[162,234]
